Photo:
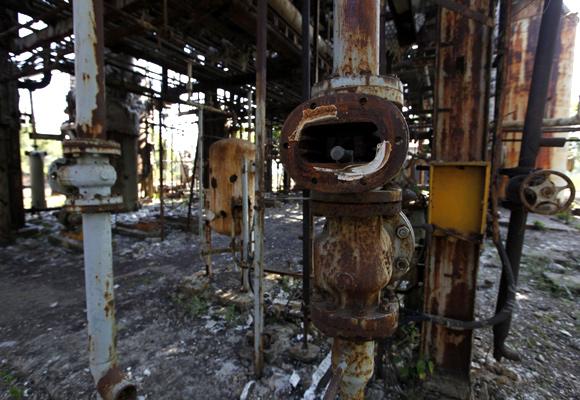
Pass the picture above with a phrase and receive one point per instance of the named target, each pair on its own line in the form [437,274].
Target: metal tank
[224,195]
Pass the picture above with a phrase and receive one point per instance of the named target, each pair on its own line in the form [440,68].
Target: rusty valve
[547,192]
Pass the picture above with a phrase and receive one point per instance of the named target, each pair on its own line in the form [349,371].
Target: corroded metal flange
[367,204]
[76,147]
[356,324]
[387,87]
[372,130]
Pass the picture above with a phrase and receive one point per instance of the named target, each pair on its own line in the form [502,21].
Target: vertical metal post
[11,203]
[245,228]
[306,214]
[460,132]
[316,18]
[261,47]
[161,153]
[200,172]
[88,168]
[549,31]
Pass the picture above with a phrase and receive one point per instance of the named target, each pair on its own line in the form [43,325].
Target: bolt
[403,232]
[401,264]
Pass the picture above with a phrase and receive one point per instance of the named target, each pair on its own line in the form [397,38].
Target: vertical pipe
[245,227]
[97,243]
[382,39]
[549,31]
[306,214]
[89,69]
[315,46]
[200,172]
[98,256]
[261,47]
[161,154]
[356,37]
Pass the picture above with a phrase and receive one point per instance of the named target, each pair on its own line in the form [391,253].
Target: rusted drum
[224,195]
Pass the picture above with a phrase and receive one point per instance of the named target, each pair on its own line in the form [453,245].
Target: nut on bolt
[403,232]
[402,264]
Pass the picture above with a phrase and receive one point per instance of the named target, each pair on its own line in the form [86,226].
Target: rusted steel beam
[261,58]
[461,93]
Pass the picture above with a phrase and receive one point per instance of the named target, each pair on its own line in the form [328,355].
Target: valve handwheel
[544,192]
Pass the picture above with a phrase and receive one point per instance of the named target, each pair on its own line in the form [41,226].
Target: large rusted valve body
[369,132]
[366,244]
[354,261]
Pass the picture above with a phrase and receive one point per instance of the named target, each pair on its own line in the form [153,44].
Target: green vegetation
[539,226]
[9,380]
[231,315]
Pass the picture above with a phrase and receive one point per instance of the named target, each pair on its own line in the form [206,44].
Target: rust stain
[522,49]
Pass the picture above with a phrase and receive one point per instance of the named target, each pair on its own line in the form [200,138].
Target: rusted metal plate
[374,129]
[524,33]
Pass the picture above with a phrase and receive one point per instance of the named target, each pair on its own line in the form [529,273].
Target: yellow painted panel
[458,196]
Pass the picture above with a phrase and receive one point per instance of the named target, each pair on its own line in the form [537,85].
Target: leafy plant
[197,306]
[231,315]
[539,226]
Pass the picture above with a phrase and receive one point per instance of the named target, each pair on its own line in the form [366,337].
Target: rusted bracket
[466,11]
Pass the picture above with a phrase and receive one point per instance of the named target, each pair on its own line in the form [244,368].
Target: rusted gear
[539,194]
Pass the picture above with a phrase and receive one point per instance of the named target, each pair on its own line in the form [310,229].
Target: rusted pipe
[356,37]
[261,55]
[355,363]
[89,69]
[88,171]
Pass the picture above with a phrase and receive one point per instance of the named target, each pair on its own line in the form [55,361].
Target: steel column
[531,139]
[11,204]
[461,93]
[261,49]
[306,214]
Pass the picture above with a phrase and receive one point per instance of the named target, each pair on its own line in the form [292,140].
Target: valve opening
[339,144]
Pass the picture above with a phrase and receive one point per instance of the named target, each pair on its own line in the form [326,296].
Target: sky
[50,103]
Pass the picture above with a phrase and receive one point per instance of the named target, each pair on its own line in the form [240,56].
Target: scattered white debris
[53,305]
[294,379]
[246,391]
[8,343]
[565,332]
[147,372]
[310,393]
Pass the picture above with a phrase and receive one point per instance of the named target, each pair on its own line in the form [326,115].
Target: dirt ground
[179,344]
